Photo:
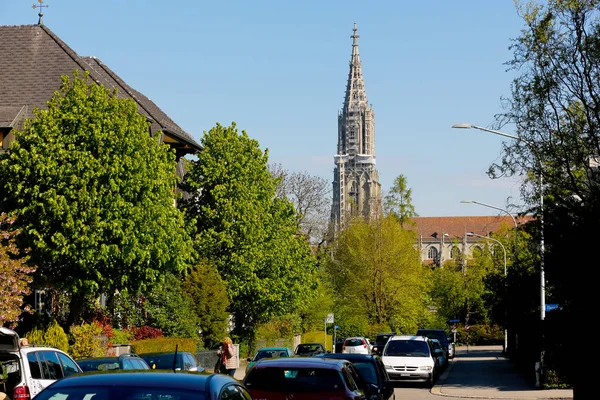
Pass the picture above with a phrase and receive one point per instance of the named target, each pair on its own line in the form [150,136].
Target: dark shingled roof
[32,61]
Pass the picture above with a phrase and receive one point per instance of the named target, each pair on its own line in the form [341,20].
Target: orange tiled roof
[456,227]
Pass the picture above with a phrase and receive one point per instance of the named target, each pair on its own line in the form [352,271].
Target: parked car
[121,362]
[302,378]
[356,345]
[373,373]
[380,341]
[268,352]
[309,349]
[440,335]
[339,343]
[180,361]
[451,348]
[439,354]
[29,369]
[410,358]
[146,385]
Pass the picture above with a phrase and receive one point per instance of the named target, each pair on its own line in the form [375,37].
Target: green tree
[248,232]
[93,193]
[398,201]
[15,274]
[171,310]
[376,272]
[207,293]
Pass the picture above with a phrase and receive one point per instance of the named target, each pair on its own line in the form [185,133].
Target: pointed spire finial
[41,14]
[355,36]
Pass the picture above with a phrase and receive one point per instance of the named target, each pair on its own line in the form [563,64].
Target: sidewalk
[484,373]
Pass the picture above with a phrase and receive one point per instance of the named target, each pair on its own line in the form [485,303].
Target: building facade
[356,186]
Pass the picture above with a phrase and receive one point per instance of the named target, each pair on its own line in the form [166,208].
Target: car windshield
[121,393]
[270,354]
[162,361]
[354,342]
[434,334]
[291,380]
[366,370]
[305,349]
[382,338]
[98,365]
[407,348]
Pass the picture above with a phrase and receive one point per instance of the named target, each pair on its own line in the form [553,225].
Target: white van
[410,358]
[26,369]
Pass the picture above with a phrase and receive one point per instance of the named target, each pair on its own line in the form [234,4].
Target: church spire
[356,97]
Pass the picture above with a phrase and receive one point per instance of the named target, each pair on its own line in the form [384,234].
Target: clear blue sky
[279,69]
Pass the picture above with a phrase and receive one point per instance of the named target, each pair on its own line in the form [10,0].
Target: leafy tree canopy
[93,193]
[398,201]
[247,231]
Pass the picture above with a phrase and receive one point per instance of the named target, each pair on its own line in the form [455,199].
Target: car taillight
[21,392]
[344,347]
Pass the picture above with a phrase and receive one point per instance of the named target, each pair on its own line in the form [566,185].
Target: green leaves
[250,234]
[94,193]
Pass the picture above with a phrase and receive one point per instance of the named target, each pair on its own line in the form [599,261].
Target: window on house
[455,253]
[432,253]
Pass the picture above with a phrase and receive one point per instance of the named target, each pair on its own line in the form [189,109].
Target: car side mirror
[248,359]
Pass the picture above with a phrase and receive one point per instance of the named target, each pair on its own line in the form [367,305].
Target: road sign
[453,327]
[336,327]
[453,321]
[329,319]
[467,327]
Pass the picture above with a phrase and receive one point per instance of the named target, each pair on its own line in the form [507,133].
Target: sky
[278,69]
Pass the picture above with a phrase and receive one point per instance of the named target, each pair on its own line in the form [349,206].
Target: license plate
[404,374]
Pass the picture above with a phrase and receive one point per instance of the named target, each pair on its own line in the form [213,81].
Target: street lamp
[541,190]
[504,211]
[504,250]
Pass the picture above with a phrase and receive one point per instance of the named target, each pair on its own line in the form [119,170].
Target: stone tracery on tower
[356,187]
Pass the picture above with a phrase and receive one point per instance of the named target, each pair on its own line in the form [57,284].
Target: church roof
[32,61]
[431,228]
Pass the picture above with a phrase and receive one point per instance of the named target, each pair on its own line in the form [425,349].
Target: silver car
[356,345]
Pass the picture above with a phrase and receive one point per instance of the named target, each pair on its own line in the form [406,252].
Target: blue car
[147,384]
[268,352]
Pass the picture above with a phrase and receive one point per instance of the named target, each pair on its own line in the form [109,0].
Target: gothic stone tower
[356,187]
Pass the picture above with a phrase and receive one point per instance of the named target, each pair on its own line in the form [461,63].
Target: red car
[304,379]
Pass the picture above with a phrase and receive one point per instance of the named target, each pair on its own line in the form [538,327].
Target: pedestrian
[228,356]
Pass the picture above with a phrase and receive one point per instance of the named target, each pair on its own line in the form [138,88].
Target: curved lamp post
[504,250]
[504,211]
[541,189]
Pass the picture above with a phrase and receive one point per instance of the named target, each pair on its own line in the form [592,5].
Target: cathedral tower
[356,187]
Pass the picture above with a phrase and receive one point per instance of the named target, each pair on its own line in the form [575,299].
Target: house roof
[32,61]
[456,227]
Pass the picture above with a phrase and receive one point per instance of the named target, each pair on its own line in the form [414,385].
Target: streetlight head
[469,234]
[466,201]
[462,126]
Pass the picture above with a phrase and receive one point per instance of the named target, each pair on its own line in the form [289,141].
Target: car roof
[151,378]
[310,344]
[300,362]
[349,357]
[410,337]
[273,348]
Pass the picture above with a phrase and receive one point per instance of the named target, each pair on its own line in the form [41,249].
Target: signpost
[328,320]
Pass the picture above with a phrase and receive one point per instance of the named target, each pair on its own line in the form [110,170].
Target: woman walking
[229,357]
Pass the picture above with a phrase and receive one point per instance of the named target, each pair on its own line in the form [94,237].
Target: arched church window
[477,251]
[432,253]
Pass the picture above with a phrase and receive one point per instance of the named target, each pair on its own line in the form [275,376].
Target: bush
[145,332]
[121,336]
[163,345]
[88,341]
[53,336]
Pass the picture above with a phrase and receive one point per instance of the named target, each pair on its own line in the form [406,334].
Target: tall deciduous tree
[15,274]
[249,233]
[376,269]
[311,197]
[554,108]
[398,201]
[93,193]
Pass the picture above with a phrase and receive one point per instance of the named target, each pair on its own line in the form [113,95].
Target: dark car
[309,349]
[142,385]
[124,361]
[380,340]
[373,373]
[440,335]
[301,378]
[180,361]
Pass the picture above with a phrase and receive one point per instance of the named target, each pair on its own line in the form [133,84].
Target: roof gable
[33,60]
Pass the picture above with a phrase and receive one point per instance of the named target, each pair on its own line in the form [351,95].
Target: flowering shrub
[146,332]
